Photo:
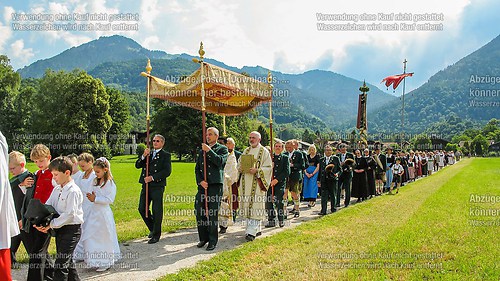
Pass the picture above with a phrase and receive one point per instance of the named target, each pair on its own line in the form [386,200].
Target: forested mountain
[89,55]
[316,99]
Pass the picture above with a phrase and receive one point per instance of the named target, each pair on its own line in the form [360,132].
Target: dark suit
[41,265]
[305,164]
[281,172]
[345,179]
[383,161]
[160,167]
[297,160]
[216,160]
[18,197]
[328,180]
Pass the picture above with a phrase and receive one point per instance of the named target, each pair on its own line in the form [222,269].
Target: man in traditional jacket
[296,174]
[329,169]
[345,177]
[212,181]
[281,171]
[160,167]
[253,186]
[381,162]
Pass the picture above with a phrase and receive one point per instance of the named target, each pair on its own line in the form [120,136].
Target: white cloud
[58,8]
[7,14]
[276,34]
[150,10]
[21,53]
[151,42]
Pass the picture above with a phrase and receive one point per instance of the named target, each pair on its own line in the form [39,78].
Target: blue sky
[279,35]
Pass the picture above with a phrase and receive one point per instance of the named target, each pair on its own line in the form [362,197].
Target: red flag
[395,79]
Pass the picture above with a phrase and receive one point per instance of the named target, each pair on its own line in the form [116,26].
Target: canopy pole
[201,52]
[147,74]
[269,81]
[224,126]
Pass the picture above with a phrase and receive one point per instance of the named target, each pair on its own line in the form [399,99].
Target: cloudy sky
[280,35]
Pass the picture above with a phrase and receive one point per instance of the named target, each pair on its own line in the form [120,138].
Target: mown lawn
[428,231]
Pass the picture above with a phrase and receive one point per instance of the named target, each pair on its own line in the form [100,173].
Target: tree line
[70,112]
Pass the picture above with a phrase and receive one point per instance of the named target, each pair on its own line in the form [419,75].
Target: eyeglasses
[156,140]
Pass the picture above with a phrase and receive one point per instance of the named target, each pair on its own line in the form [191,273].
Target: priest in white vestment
[230,177]
[8,220]
[253,186]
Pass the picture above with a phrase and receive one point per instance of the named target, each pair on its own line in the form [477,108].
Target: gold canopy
[226,92]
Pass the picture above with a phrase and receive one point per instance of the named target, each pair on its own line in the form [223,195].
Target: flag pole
[201,52]
[269,81]
[403,107]
[147,74]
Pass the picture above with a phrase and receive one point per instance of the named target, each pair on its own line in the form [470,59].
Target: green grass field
[429,231]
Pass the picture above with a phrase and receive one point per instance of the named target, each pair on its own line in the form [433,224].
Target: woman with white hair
[311,176]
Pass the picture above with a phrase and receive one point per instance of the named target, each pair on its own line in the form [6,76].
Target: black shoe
[321,213]
[359,200]
[201,244]
[153,240]
[222,230]
[249,237]
[296,214]
[210,247]
[270,224]
[334,210]
[150,235]
[282,224]
[292,211]
[338,206]
[258,233]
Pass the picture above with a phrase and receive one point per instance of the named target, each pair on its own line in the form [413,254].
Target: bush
[493,154]
[140,149]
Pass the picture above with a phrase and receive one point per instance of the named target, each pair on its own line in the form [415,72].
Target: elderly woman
[311,176]
[370,172]
[359,178]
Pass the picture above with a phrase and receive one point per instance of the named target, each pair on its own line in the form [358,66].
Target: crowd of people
[286,175]
[80,191]
[257,187]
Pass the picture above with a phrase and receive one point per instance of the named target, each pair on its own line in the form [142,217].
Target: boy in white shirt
[397,171]
[66,198]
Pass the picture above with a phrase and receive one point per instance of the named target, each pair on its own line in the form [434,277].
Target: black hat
[40,214]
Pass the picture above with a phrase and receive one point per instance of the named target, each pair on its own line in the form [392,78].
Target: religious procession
[69,197]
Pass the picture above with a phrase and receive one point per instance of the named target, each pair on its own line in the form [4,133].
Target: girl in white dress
[85,183]
[76,174]
[99,238]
